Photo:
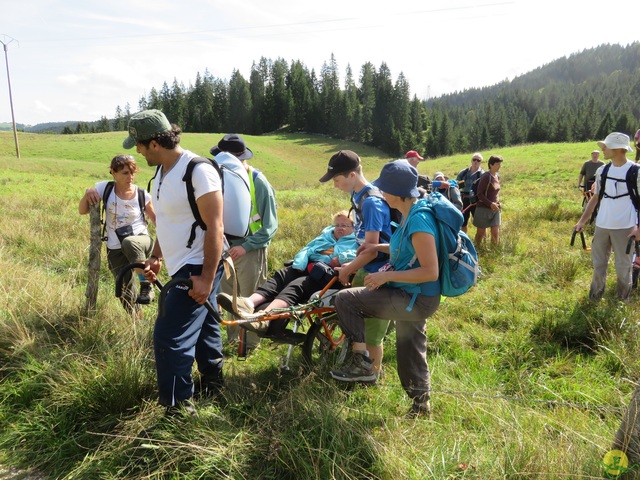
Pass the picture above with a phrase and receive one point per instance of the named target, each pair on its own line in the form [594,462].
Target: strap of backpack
[141,203]
[358,207]
[155,174]
[191,197]
[603,183]
[488,184]
[103,212]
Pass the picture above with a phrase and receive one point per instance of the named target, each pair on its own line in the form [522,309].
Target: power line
[330,28]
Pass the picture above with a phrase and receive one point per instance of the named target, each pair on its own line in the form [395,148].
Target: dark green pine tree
[278,98]
[257,81]
[240,101]
[351,107]
[404,135]
[299,84]
[606,126]
[367,96]
[220,91]
[383,122]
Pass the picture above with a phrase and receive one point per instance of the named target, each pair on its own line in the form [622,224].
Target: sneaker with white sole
[359,369]
[146,293]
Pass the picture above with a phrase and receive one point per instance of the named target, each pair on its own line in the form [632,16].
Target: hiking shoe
[243,307]
[146,293]
[183,408]
[359,369]
[209,386]
[419,409]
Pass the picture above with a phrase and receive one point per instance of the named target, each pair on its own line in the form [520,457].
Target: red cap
[413,154]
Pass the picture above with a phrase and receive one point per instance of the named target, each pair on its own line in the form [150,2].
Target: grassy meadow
[530,379]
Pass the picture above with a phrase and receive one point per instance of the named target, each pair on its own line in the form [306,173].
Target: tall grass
[529,377]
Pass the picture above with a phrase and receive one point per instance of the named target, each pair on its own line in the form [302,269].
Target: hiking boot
[359,369]
[419,409]
[146,293]
[209,386]
[183,408]
[243,306]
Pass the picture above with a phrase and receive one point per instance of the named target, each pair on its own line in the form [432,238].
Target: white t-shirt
[174,218]
[615,213]
[120,213]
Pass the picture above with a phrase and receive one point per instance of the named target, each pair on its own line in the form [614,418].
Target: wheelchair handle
[120,278]
[187,282]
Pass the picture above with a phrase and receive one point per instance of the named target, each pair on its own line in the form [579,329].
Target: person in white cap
[615,196]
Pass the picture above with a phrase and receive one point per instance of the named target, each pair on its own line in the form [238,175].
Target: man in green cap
[185,331]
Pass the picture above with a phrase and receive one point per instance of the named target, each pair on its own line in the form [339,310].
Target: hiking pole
[187,282]
[584,243]
[630,243]
[123,272]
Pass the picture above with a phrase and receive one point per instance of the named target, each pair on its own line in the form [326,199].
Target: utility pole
[6,40]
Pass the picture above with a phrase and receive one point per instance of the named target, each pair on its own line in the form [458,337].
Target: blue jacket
[344,249]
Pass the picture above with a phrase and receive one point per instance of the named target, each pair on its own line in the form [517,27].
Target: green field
[530,379]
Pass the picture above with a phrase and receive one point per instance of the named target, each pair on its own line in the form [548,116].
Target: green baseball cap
[145,125]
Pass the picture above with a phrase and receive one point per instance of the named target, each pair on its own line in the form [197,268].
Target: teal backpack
[457,256]
[459,267]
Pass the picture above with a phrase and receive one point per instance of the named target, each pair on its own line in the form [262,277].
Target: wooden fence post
[95,249]
[627,437]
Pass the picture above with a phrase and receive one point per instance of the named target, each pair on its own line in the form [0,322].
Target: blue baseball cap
[398,178]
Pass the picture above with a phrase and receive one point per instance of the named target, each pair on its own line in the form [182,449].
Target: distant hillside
[577,98]
[50,127]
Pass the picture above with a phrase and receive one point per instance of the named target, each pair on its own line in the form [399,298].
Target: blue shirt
[375,217]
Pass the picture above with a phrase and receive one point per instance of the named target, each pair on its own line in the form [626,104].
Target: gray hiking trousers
[355,306]
[605,240]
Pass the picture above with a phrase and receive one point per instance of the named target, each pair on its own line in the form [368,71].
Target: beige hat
[616,140]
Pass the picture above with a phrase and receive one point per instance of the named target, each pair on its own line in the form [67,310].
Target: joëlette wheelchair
[324,344]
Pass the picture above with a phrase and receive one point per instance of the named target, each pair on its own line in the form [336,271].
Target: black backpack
[631,179]
[103,213]
[191,197]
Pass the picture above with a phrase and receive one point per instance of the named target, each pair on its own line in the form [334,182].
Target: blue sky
[78,60]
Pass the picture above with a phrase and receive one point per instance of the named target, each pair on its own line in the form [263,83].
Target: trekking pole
[120,278]
[630,243]
[187,282]
[584,243]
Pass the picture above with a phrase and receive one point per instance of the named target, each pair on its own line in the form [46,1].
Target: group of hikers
[386,274]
